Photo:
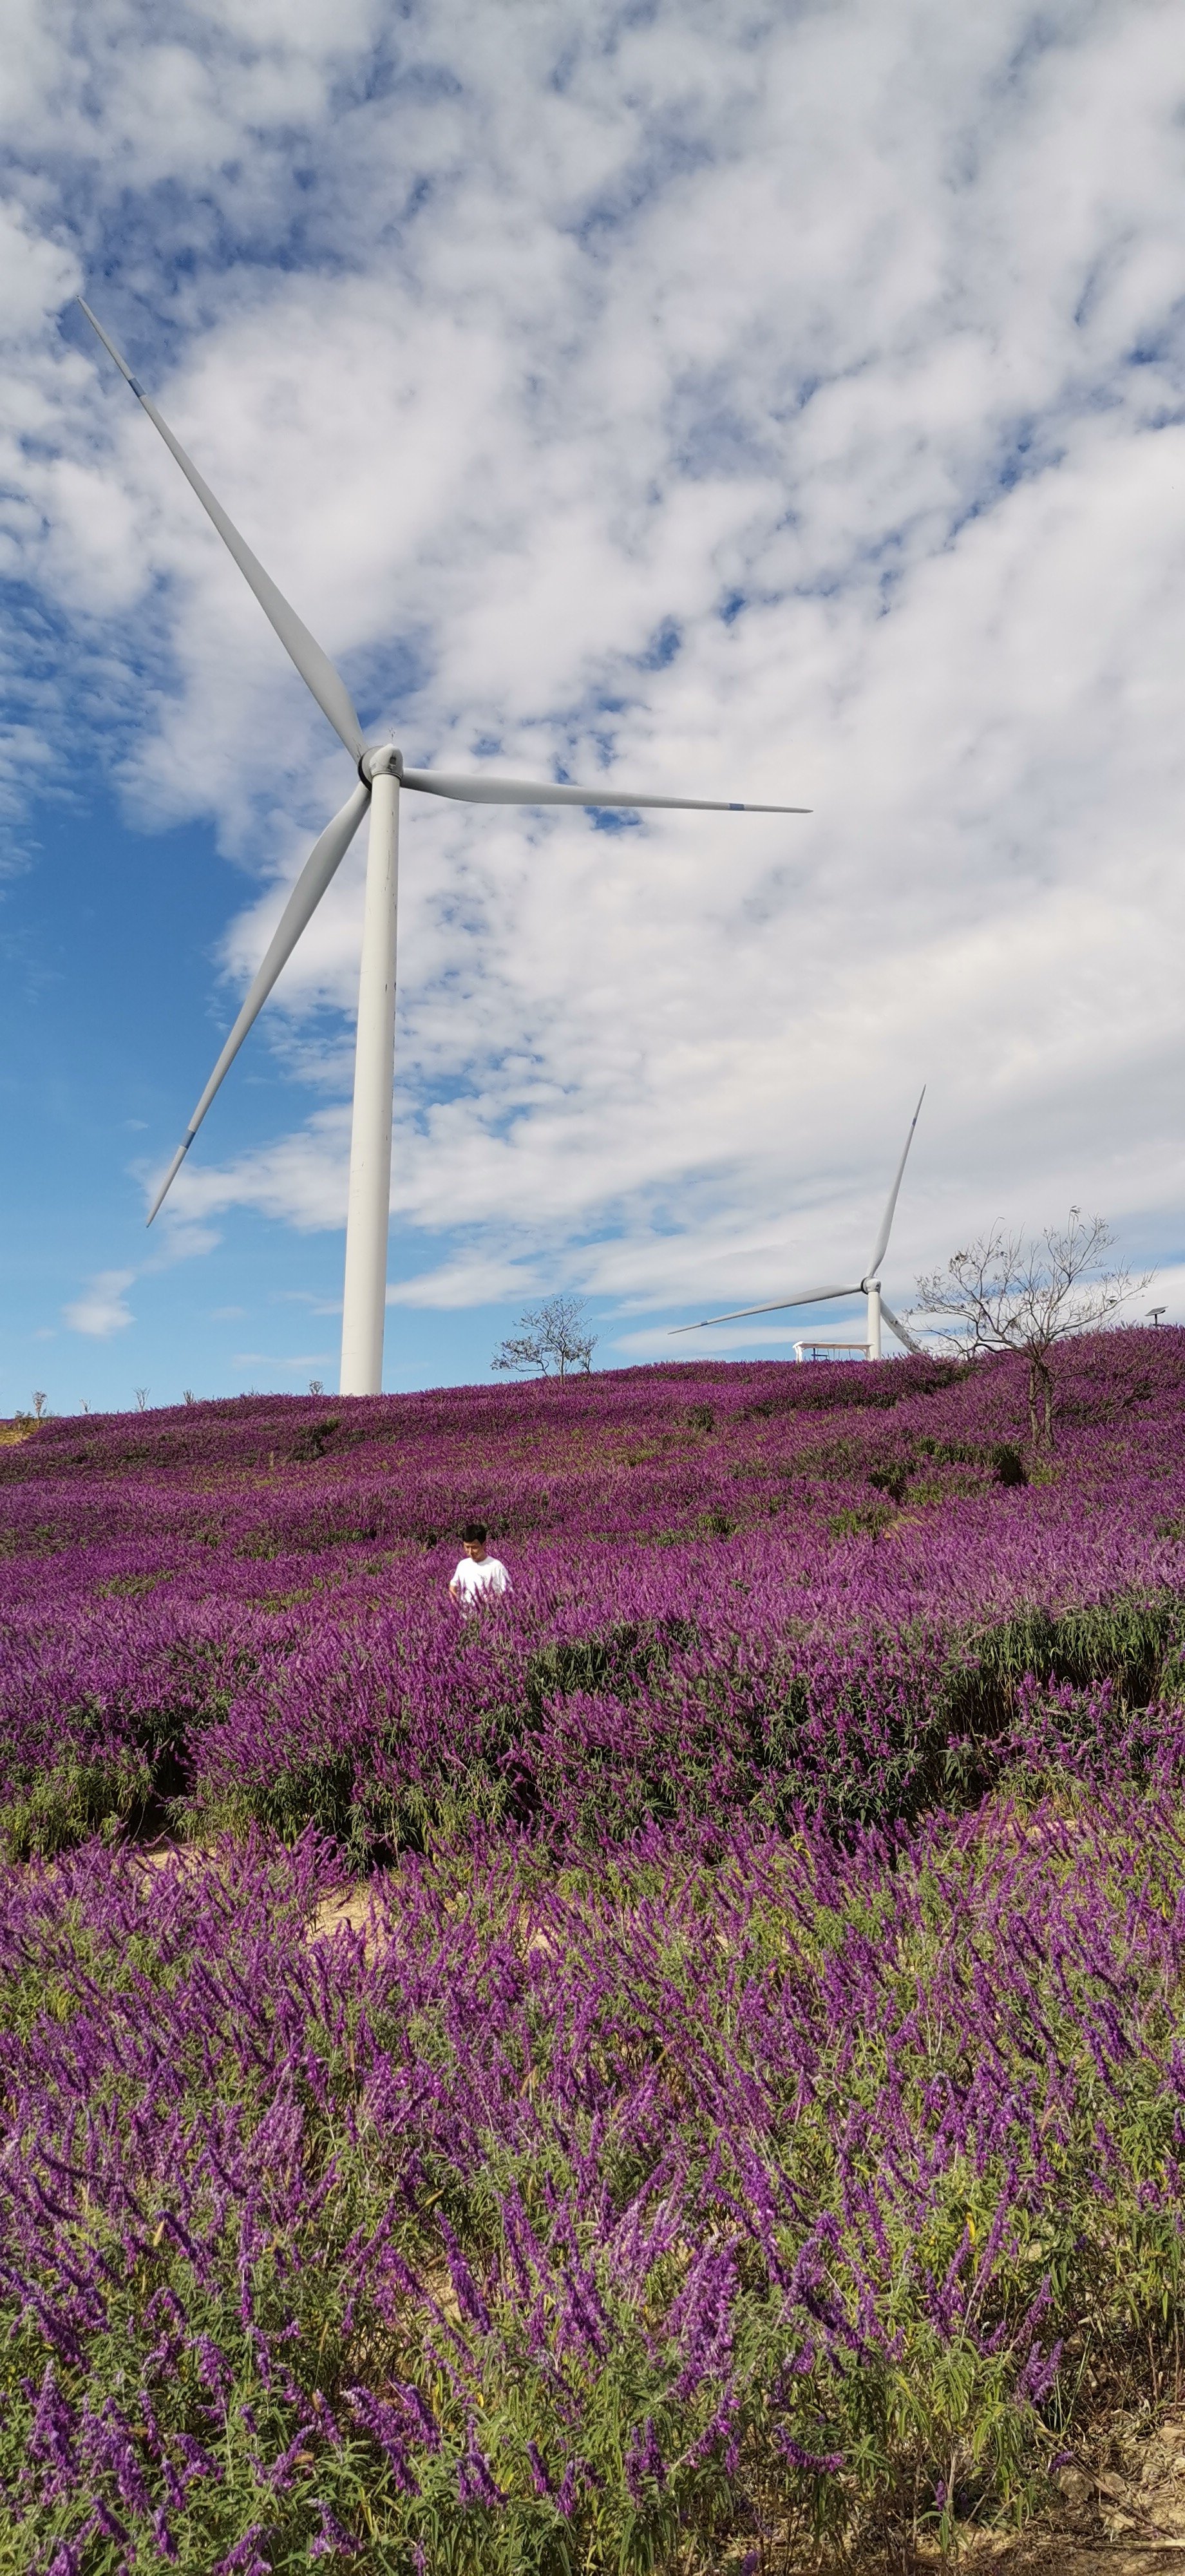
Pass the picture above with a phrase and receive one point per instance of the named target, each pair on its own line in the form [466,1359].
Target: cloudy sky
[775,403]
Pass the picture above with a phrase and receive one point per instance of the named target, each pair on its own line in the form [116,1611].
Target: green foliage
[862,1520]
[57,1808]
[621,1659]
[317,1438]
[1133,1641]
[1001,1456]
[130,1587]
[318,1792]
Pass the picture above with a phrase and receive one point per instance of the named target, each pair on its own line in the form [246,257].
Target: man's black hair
[474,1534]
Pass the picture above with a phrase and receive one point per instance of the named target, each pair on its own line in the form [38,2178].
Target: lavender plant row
[661,2214]
[736,1587]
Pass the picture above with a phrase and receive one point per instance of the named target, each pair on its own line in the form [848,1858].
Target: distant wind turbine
[869,1286]
[381,774]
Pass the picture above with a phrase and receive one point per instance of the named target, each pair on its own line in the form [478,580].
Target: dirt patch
[357,1908]
[1126,2508]
[1051,2553]
[164,1853]
[1122,2513]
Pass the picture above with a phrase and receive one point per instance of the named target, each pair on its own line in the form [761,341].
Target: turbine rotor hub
[380,760]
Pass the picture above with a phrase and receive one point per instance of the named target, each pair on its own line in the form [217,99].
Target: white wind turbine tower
[381,775]
[869,1286]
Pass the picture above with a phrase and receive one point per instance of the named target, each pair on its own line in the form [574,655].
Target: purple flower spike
[644,2462]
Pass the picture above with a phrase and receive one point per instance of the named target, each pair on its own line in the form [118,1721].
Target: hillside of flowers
[736,1588]
[681,2071]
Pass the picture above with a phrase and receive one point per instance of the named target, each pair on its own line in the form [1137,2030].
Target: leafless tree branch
[551,1341]
[1008,1291]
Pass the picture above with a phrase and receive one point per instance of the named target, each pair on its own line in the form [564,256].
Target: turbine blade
[322,863]
[314,666]
[902,1331]
[813,1297]
[882,1240]
[529,791]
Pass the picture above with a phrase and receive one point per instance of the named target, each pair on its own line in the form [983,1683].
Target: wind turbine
[381,775]
[869,1286]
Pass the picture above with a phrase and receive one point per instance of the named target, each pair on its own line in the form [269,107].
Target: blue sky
[106,957]
[763,404]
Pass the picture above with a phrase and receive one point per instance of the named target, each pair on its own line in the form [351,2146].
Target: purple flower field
[737,2115]
[735,1587]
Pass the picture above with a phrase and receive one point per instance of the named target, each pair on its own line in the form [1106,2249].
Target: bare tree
[1011,1292]
[40,1401]
[551,1341]
[316,1386]
[142,1399]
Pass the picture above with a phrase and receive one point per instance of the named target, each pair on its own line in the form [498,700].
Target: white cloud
[476,1279]
[102,1308]
[36,275]
[270,1359]
[774,405]
[181,1238]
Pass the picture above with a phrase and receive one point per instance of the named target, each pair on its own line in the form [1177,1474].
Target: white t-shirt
[472,1580]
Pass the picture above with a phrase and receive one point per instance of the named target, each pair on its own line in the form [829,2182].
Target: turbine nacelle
[379,760]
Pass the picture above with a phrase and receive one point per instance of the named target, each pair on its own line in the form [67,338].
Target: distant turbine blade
[322,864]
[813,1297]
[903,1334]
[882,1240]
[314,666]
[529,791]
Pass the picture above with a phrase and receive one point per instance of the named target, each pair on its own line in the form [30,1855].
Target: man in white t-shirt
[479,1576]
